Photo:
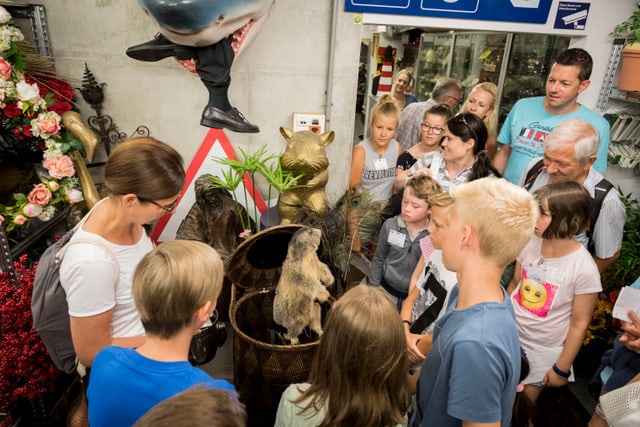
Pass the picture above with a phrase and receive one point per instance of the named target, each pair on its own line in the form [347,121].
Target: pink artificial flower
[5,69]
[40,195]
[20,219]
[59,167]
[1,219]
[74,196]
[31,210]
[53,185]
[49,125]
[246,233]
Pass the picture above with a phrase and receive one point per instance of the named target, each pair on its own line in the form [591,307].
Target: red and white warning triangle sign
[215,144]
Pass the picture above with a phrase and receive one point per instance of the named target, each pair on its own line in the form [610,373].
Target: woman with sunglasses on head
[143,178]
[463,157]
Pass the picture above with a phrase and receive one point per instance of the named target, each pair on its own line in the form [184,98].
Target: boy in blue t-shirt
[175,288]
[472,371]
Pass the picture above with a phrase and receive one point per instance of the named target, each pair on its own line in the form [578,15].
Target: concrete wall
[284,70]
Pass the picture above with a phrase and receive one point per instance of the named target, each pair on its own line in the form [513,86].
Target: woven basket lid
[256,263]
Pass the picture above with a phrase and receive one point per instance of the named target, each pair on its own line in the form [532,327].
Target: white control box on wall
[313,122]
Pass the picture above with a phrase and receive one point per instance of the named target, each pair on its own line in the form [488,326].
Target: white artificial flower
[4,15]
[8,34]
[74,196]
[47,213]
[27,92]
[31,210]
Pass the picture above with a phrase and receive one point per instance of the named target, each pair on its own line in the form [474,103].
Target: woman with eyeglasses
[463,157]
[433,126]
[482,101]
[143,179]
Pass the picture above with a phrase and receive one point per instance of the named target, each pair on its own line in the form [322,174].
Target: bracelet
[563,374]
[407,322]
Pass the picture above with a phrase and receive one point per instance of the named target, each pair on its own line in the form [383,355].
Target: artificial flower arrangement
[30,112]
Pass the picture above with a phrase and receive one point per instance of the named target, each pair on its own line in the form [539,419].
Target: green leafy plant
[252,164]
[622,273]
[630,29]
[336,238]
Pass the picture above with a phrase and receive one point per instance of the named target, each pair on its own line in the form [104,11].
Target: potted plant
[630,69]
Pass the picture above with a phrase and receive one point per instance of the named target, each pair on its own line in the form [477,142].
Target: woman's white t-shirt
[88,276]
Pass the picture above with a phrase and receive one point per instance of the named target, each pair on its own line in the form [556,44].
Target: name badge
[396,238]
[380,164]
[537,273]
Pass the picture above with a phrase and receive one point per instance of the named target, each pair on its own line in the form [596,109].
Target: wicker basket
[263,370]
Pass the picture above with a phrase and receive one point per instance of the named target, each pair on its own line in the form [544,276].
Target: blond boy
[430,284]
[470,375]
[175,288]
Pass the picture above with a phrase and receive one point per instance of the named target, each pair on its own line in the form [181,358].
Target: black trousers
[214,65]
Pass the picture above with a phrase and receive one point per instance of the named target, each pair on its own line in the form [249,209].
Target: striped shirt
[607,232]
[434,161]
[409,131]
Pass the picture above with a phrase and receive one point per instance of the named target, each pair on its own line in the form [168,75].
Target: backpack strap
[89,240]
[6,263]
[532,174]
[600,191]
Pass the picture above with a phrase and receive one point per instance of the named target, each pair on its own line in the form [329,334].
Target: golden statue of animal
[305,155]
[302,286]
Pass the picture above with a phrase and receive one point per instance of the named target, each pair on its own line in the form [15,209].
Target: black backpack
[601,190]
[49,301]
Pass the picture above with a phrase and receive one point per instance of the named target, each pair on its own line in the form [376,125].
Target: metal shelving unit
[624,144]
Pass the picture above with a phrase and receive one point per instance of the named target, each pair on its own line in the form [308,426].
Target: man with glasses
[532,119]
[446,91]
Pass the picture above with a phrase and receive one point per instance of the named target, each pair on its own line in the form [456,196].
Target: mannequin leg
[213,64]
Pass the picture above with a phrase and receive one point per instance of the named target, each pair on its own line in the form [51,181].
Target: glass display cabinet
[530,59]
[474,57]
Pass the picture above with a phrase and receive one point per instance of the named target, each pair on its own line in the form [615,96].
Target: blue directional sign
[529,11]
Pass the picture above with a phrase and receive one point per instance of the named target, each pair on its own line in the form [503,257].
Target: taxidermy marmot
[213,219]
[305,155]
[301,288]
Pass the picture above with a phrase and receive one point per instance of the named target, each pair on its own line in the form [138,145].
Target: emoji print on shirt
[534,296]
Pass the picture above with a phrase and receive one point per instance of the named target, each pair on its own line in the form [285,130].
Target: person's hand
[414,354]
[551,379]
[631,336]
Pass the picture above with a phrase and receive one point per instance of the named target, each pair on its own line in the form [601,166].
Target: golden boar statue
[305,155]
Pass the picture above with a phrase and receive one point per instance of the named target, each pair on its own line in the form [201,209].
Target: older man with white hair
[569,153]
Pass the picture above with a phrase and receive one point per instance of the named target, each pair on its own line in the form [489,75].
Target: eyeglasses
[168,208]
[460,118]
[428,128]
[457,100]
